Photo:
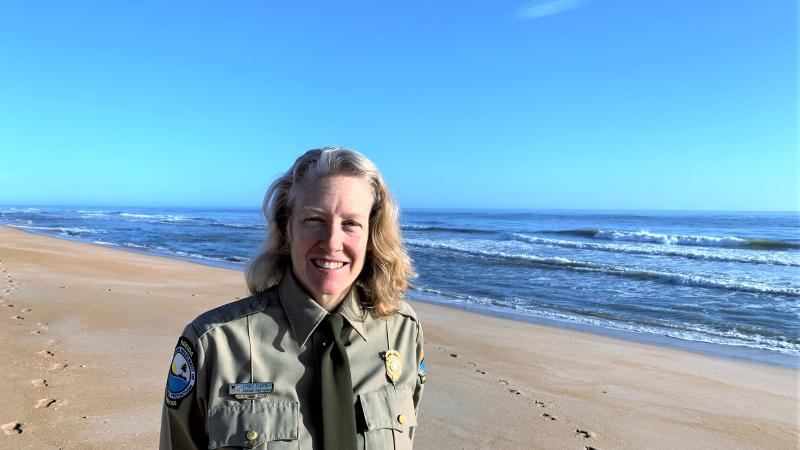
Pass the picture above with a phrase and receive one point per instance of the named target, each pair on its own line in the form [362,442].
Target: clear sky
[606,104]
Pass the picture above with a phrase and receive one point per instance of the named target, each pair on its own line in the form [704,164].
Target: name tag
[249,391]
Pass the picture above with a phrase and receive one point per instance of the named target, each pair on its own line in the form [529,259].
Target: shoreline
[766,357]
[89,332]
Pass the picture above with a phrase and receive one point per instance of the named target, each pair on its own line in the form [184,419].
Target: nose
[331,240]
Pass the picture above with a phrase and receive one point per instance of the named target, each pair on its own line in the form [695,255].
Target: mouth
[327,264]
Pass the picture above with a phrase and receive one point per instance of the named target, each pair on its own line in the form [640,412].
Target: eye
[312,219]
[351,224]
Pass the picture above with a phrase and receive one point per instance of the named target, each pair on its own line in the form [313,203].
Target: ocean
[727,281]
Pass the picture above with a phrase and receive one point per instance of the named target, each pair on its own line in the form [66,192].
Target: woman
[325,354]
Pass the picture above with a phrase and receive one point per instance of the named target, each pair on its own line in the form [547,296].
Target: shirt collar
[304,313]
[353,311]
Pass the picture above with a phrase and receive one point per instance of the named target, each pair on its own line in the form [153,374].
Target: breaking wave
[780,260]
[610,269]
[677,239]
[446,229]
[65,231]
[689,332]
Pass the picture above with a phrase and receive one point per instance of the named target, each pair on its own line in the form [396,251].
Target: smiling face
[328,232]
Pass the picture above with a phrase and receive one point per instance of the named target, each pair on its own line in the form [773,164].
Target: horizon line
[438,208]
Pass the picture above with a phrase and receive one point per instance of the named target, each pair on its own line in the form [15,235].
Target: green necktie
[336,388]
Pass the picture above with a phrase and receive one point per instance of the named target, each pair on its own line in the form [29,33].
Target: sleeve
[183,416]
[421,376]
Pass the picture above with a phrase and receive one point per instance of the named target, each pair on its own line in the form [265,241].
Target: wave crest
[679,239]
[654,250]
[609,269]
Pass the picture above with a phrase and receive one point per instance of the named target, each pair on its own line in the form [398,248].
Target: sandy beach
[88,333]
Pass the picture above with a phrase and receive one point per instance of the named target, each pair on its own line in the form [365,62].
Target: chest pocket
[251,424]
[388,419]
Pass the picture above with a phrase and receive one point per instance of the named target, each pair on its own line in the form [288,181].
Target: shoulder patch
[182,373]
[423,375]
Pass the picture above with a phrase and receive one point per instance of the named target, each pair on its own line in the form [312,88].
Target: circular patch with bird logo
[182,375]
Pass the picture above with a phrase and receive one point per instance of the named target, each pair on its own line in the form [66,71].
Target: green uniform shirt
[271,338]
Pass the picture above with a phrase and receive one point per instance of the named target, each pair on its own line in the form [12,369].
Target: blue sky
[549,104]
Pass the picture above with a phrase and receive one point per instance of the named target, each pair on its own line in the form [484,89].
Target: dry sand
[88,332]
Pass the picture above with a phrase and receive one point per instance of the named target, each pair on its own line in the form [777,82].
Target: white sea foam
[237,225]
[18,210]
[182,254]
[69,231]
[722,255]
[110,244]
[696,333]
[132,245]
[159,217]
[629,272]
[231,259]
[92,214]
[671,239]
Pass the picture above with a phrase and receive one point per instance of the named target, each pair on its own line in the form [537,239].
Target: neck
[331,303]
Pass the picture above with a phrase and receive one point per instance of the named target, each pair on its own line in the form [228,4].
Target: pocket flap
[249,424]
[388,409]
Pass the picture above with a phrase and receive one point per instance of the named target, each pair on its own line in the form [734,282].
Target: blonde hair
[387,271]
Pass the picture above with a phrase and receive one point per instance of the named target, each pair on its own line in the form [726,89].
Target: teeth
[327,264]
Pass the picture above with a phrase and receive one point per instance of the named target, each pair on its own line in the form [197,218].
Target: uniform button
[401,419]
[252,435]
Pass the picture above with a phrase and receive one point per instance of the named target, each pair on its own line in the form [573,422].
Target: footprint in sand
[45,403]
[585,433]
[46,353]
[10,284]
[17,317]
[12,428]
[59,366]
[39,383]
[482,372]
[515,391]
[549,416]
[42,328]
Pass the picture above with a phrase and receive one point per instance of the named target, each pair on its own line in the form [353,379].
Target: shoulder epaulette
[230,312]
[407,310]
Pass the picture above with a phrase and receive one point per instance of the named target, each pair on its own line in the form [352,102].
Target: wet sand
[88,334]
